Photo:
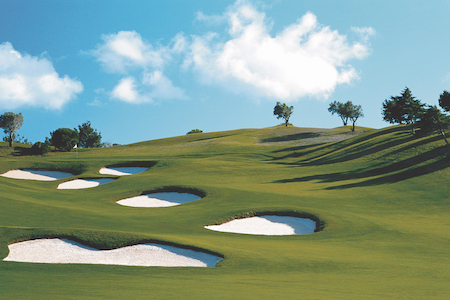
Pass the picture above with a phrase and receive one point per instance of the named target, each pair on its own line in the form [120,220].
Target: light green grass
[383,194]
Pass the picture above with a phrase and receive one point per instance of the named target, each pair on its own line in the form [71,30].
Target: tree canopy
[11,122]
[343,110]
[282,111]
[444,101]
[64,139]
[404,109]
[434,120]
[346,111]
[88,137]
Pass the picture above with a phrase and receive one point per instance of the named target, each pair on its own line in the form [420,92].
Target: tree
[404,109]
[356,113]
[64,139]
[433,120]
[88,137]
[444,101]
[11,122]
[342,110]
[282,111]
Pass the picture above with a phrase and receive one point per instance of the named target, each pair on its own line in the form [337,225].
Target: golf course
[380,200]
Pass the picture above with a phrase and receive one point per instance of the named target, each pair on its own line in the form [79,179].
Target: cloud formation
[126,52]
[305,59]
[27,80]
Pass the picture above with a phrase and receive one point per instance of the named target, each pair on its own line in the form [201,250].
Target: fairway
[380,200]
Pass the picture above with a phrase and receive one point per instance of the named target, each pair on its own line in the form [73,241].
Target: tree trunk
[11,138]
[353,128]
[287,122]
[445,139]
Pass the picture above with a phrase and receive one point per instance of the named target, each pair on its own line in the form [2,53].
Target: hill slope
[382,194]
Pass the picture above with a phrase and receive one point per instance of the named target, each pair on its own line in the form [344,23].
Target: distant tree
[88,137]
[343,110]
[404,109]
[444,101]
[11,122]
[356,113]
[282,111]
[433,120]
[18,139]
[195,131]
[64,139]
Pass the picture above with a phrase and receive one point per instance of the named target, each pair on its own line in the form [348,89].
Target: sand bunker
[41,175]
[163,199]
[122,171]
[267,225]
[63,251]
[83,183]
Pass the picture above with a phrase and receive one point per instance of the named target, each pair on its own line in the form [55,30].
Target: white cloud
[212,19]
[163,87]
[31,81]
[154,85]
[126,91]
[305,59]
[126,51]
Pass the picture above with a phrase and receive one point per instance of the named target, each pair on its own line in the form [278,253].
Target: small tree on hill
[64,139]
[404,109]
[282,111]
[11,122]
[355,114]
[88,137]
[343,110]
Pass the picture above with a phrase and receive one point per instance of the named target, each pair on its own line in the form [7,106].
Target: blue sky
[142,70]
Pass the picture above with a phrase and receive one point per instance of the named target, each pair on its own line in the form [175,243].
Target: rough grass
[383,197]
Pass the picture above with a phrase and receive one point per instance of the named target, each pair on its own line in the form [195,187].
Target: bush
[64,139]
[195,131]
[40,148]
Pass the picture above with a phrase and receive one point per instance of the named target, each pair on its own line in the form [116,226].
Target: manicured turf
[382,195]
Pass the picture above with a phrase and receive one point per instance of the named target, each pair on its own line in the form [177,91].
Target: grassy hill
[383,196]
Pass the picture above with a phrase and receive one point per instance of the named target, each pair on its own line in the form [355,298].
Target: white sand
[36,175]
[63,251]
[83,183]
[267,225]
[122,171]
[159,199]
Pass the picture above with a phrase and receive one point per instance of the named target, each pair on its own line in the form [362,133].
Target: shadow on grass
[389,173]
[364,150]
[291,137]
[355,148]
[22,151]
[201,137]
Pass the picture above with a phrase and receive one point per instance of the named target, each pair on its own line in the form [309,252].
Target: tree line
[63,139]
[403,109]
[406,109]
[345,111]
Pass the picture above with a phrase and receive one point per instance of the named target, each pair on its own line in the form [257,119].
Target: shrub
[195,131]
[40,148]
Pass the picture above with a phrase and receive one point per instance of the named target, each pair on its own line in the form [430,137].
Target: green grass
[383,196]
